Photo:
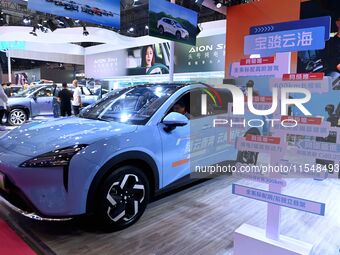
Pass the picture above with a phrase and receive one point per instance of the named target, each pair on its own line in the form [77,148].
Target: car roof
[174,84]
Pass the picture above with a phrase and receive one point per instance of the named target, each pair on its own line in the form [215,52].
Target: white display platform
[252,240]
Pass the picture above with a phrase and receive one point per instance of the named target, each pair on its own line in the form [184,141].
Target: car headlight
[61,157]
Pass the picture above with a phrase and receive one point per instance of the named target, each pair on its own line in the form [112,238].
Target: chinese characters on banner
[326,151]
[279,199]
[302,81]
[285,41]
[272,66]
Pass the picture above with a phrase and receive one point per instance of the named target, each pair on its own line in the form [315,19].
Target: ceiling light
[85,32]
[131,29]
[146,27]
[218,5]
[40,23]
[27,20]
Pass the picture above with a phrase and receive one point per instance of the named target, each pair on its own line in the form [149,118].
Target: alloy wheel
[17,117]
[125,198]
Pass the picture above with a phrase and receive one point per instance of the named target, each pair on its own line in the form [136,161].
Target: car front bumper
[39,193]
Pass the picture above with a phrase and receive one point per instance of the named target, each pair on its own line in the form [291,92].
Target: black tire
[17,117]
[122,198]
[248,157]
[178,35]
[161,30]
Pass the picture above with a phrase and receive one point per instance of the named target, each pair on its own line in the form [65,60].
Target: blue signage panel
[279,199]
[285,41]
[324,21]
[319,146]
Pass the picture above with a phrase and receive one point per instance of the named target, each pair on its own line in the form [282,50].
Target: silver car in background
[39,101]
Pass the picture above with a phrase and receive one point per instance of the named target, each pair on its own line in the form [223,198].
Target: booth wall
[242,17]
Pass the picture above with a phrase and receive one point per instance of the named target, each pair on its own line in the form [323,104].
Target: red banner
[257,61]
[303,76]
[263,139]
[304,120]
[260,99]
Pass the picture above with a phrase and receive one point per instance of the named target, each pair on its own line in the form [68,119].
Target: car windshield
[133,105]
[25,92]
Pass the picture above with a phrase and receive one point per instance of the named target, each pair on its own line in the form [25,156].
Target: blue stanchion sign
[280,200]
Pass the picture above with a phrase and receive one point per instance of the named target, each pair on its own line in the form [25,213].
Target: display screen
[328,59]
[104,12]
[207,56]
[144,60]
[172,22]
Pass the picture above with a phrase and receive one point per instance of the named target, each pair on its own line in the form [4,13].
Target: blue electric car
[115,156]
[38,101]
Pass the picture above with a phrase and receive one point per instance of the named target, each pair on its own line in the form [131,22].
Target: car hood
[39,137]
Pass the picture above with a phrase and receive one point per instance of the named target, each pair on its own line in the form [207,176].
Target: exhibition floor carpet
[11,243]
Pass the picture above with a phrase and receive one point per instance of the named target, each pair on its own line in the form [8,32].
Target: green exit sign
[12,45]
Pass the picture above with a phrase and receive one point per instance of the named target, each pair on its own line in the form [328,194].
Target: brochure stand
[256,241]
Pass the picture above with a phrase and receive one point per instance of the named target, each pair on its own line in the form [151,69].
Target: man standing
[65,98]
[3,106]
[76,102]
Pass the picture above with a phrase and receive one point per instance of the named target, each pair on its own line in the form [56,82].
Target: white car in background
[171,26]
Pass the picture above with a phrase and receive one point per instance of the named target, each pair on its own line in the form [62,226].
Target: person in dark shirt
[7,89]
[333,53]
[64,97]
[181,108]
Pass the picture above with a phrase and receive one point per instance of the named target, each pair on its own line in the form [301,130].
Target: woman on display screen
[148,60]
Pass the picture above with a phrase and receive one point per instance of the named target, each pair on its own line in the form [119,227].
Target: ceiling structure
[134,14]
[134,23]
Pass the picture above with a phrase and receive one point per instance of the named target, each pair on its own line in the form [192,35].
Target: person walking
[3,106]
[64,98]
[76,102]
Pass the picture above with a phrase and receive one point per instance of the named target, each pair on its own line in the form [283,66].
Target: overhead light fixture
[85,32]
[34,31]
[44,29]
[40,23]
[131,29]
[51,25]
[27,20]
[146,27]
[60,22]
[218,5]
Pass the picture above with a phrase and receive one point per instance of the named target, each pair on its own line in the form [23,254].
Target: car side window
[182,105]
[45,92]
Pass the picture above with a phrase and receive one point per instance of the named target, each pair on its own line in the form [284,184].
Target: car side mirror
[173,120]
[35,97]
